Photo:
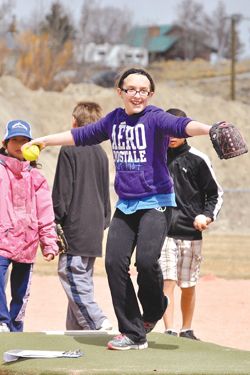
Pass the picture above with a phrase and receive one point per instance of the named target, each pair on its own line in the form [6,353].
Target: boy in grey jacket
[82,206]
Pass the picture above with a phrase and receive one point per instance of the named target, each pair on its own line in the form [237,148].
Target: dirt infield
[222,312]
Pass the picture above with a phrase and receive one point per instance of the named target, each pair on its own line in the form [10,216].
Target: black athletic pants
[145,230]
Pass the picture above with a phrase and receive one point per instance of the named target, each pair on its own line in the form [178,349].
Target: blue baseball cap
[17,128]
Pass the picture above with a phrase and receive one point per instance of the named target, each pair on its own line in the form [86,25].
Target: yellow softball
[31,153]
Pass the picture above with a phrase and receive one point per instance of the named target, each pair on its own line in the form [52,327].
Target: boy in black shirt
[199,199]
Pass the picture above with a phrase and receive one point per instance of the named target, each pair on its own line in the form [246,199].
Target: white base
[83,332]
[15,354]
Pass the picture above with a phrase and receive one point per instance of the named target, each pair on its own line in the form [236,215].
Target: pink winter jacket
[26,212]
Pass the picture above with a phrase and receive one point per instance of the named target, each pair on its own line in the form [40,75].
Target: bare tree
[6,14]
[46,48]
[7,32]
[35,20]
[38,63]
[192,18]
[103,24]
[219,28]
[221,33]
[58,25]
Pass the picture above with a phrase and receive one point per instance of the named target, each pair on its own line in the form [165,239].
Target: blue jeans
[20,278]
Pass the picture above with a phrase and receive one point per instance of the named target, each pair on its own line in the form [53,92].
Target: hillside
[50,112]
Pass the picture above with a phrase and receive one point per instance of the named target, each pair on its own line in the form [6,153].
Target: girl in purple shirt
[139,136]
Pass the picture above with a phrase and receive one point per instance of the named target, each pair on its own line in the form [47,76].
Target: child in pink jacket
[26,219]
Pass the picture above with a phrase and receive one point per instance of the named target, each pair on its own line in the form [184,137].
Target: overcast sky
[148,11]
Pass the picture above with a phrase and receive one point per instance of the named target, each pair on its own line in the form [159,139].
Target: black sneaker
[170,332]
[189,334]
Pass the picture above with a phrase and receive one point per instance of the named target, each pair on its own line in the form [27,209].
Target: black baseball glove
[61,242]
[227,140]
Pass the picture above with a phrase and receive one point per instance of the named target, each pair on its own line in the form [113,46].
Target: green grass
[166,355]
[225,256]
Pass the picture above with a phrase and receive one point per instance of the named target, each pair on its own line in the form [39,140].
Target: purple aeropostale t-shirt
[139,143]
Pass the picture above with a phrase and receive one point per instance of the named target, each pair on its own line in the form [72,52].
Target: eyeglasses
[133,92]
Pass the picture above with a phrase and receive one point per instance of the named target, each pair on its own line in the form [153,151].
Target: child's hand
[48,257]
[41,142]
[201,222]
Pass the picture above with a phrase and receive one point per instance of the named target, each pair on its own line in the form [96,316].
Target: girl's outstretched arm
[197,128]
[58,139]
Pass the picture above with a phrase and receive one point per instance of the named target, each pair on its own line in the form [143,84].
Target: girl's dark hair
[143,72]
[3,151]
[33,164]
[176,112]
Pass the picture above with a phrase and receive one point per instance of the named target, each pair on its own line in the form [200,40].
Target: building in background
[115,56]
[166,42]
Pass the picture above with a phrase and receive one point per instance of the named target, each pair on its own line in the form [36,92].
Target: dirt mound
[50,112]
[216,319]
